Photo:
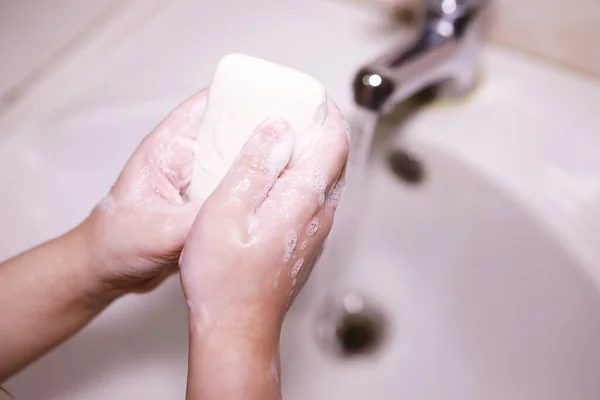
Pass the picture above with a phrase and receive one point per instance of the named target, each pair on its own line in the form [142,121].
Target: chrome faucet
[443,56]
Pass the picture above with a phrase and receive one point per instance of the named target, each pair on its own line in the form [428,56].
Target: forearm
[46,295]
[231,365]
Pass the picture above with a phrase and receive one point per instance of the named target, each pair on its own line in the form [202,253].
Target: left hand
[136,233]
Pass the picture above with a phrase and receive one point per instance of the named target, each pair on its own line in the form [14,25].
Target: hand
[137,231]
[257,236]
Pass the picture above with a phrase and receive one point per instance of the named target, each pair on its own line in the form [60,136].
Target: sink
[478,280]
[474,270]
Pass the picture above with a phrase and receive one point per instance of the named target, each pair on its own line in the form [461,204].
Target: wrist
[243,366]
[90,263]
[245,322]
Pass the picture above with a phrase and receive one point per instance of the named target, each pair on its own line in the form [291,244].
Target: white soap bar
[244,92]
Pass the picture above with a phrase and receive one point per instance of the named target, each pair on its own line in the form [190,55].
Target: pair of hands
[248,248]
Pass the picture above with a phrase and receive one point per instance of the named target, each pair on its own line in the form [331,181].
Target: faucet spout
[444,54]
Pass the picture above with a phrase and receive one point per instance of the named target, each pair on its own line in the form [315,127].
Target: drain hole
[350,326]
[358,334]
[407,167]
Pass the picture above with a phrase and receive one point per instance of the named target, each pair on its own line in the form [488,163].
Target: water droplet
[290,246]
[334,194]
[297,267]
[313,226]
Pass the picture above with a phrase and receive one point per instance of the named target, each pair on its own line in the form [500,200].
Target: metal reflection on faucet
[445,28]
[444,55]
[372,80]
[449,6]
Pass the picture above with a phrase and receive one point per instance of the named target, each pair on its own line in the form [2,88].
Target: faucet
[443,56]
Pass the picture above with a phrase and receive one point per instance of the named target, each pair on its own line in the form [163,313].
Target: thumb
[178,220]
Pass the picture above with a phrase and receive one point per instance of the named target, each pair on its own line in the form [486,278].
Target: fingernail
[273,129]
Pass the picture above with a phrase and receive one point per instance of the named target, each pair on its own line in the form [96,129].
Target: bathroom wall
[30,40]
[39,38]
[562,31]
[566,32]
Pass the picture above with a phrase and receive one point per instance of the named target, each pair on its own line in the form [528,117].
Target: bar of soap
[244,92]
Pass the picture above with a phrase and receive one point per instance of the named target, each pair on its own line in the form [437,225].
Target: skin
[237,267]
[129,243]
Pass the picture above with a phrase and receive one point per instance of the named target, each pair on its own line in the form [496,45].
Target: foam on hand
[244,92]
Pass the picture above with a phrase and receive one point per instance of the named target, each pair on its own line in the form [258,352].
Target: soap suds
[334,194]
[137,189]
[252,222]
[290,246]
[240,190]
[159,154]
[312,227]
[289,197]
[280,154]
[165,133]
[297,267]
[319,183]
[107,204]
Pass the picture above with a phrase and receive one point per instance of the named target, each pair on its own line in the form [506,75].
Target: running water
[364,123]
[350,213]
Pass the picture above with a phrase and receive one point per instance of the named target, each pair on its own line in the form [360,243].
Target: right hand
[252,246]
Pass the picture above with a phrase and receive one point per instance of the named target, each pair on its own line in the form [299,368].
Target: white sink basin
[485,274]
[482,300]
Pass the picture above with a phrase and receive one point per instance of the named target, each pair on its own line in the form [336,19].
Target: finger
[177,163]
[301,191]
[185,119]
[298,282]
[177,222]
[256,169]
[167,150]
[309,252]
[314,235]
[334,194]
[172,142]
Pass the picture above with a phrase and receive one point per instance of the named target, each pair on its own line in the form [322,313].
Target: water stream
[349,217]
